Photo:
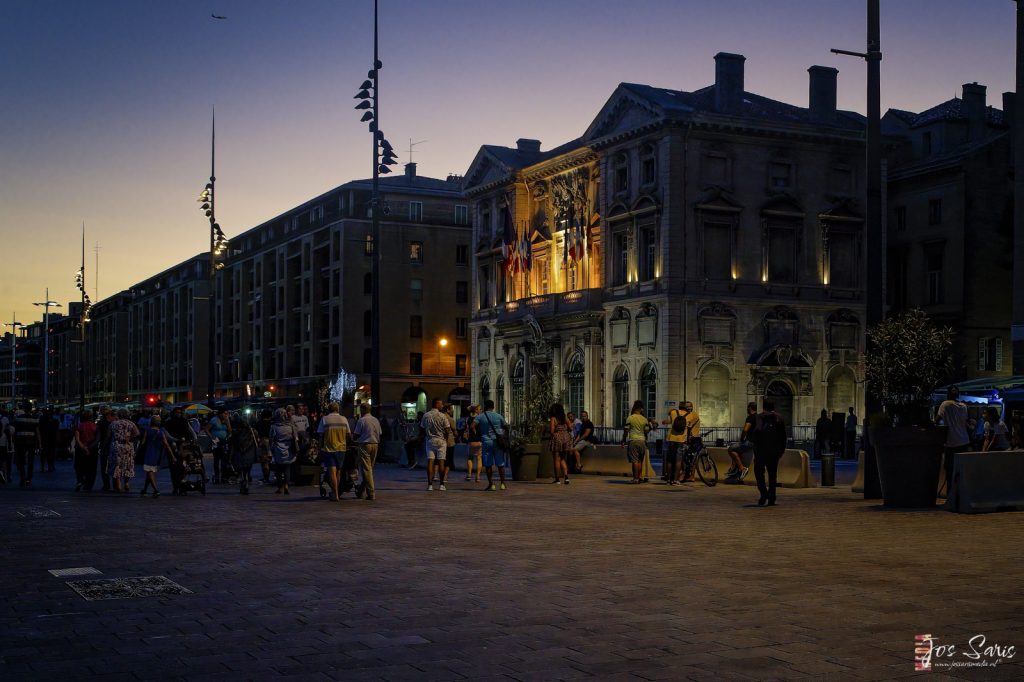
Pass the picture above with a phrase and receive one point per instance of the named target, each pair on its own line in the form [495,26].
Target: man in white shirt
[953,414]
[435,427]
[368,433]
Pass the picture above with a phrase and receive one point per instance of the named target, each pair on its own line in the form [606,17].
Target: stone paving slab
[595,581]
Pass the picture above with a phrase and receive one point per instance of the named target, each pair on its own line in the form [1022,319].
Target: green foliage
[907,357]
[538,397]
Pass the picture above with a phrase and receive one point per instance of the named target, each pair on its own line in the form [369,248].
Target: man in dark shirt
[586,438]
[103,438]
[822,429]
[27,442]
[769,446]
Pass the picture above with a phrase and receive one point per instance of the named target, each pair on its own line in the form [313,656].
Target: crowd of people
[112,444]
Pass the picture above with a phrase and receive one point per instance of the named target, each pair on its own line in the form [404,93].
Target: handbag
[500,439]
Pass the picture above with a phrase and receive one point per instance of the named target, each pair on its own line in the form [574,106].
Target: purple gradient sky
[105,110]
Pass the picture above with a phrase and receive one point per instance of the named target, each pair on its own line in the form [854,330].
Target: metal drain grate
[38,513]
[72,572]
[126,588]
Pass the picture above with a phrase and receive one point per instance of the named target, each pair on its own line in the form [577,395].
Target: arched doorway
[414,399]
[781,394]
[649,389]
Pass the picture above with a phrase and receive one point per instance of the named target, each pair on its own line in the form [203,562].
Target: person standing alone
[368,434]
[769,446]
[435,426]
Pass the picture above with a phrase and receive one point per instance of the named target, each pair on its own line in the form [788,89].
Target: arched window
[499,396]
[485,390]
[841,392]
[620,391]
[574,376]
[649,389]
[713,401]
[518,384]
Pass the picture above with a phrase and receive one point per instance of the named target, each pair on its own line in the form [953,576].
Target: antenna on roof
[413,144]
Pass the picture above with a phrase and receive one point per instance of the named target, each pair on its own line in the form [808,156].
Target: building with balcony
[704,245]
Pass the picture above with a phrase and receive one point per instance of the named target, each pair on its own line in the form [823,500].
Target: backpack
[679,424]
[770,437]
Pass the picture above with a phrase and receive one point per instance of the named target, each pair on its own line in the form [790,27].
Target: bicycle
[706,468]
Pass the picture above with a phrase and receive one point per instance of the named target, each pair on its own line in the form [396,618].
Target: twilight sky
[105,111]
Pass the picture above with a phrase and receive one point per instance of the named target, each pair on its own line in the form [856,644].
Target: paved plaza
[599,580]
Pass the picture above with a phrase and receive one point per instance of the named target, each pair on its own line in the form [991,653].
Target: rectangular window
[416,211]
[781,254]
[461,327]
[717,250]
[933,256]
[934,211]
[842,259]
[368,245]
[620,264]
[462,292]
[416,291]
[621,179]
[542,275]
[780,175]
[901,219]
[415,363]
[648,170]
[462,215]
[990,354]
[415,326]
[460,365]
[415,252]
[462,254]
[648,253]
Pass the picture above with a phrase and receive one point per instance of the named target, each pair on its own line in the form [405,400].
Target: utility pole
[218,246]
[874,243]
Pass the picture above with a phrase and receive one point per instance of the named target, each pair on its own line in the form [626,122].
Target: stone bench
[605,460]
[794,468]
[987,482]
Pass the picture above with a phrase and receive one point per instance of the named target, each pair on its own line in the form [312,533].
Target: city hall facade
[704,245]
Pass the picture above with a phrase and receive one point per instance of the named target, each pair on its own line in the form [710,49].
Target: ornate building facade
[705,245]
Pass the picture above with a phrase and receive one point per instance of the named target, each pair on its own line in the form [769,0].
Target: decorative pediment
[622,113]
[783,205]
[486,169]
[784,355]
[718,199]
[843,210]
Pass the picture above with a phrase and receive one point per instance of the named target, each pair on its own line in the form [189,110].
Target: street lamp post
[82,321]
[874,246]
[218,246]
[383,156]
[14,324]
[47,304]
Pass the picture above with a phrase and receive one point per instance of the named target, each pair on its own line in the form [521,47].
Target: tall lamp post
[82,321]
[383,156]
[46,305]
[14,324]
[874,246]
[218,246]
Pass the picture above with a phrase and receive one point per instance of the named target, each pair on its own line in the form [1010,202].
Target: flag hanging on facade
[508,237]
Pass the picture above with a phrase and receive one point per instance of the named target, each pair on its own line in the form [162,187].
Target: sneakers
[442,488]
[566,480]
[492,487]
[743,474]
[502,487]
[430,487]
[557,482]
[733,471]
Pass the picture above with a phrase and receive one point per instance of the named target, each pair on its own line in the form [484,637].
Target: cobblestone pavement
[598,580]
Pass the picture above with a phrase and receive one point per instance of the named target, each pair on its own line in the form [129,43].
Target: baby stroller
[190,465]
[347,477]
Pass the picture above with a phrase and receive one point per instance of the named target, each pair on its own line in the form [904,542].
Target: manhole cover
[126,588]
[71,572]
[37,513]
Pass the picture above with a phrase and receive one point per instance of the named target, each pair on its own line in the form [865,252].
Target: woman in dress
[561,441]
[474,447]
[123,435]
[283,446]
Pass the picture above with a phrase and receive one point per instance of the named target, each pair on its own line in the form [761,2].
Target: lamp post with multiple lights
[46,305]
[383,156]
[218,246]
[82,321]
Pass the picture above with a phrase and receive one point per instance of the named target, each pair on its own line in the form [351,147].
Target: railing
[801,436]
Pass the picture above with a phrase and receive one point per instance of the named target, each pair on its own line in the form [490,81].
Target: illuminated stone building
[720,254]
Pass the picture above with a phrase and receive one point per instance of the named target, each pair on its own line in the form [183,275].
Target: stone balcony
[544,305]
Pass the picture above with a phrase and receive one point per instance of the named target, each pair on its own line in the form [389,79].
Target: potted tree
[528,445]
[908,357]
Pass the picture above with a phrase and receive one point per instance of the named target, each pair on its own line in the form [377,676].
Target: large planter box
[524,464]
[909,459]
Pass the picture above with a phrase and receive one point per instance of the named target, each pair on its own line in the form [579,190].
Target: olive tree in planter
[527,457]
[909,357]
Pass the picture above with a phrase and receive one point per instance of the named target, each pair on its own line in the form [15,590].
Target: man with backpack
[769,446]
[683,439]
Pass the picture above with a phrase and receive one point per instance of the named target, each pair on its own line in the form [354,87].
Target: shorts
[742,448]
[636,451]
[493,455]
[333,460]
[150,467]
[436,449]
[675,452]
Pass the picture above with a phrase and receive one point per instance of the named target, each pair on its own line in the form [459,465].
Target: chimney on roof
[728,82]
[1008,109]
[527,145]
[974,110]
[410,170]
[821,103]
